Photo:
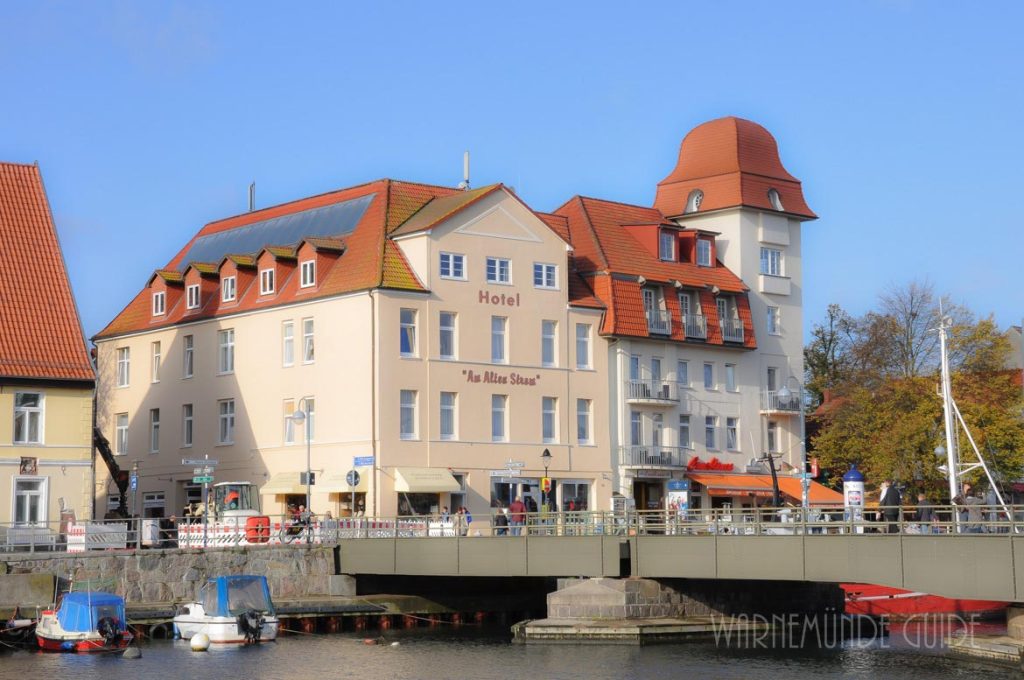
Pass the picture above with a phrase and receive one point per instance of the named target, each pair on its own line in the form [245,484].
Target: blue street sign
[362,461]
[679,485]
[134,481]
[352,478]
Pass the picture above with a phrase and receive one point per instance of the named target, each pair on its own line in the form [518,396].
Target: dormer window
[667,246]
[703,252]
[266,281]
[308,269]
[228,289]
[694,200]
[192,301]
[159,303]
[775,199]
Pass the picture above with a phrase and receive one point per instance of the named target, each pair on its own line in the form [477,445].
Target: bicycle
[294,530]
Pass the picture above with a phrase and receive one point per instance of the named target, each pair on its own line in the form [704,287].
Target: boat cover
[80,612]
[233,595]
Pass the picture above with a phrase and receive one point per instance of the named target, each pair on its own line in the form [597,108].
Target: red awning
[760,486]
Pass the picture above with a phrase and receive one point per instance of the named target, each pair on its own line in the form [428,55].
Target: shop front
[340,491]
[425,491]
[725,490]
[649,489]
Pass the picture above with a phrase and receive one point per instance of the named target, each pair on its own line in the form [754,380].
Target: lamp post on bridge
[298,417]
[544,484]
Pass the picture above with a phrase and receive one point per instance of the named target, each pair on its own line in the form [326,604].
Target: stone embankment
[174,575]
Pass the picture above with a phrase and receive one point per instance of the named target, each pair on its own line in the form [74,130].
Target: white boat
[84,622]
[230,610]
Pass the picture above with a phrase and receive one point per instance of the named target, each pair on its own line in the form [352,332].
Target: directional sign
[515,464]
[505,473]
[362,461]
[199,461]
[197,471]
[352,478]
[134,481]
[204,479]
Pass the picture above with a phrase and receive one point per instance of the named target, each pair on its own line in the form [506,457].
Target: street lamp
[299,417]
[785,394]
[546,459]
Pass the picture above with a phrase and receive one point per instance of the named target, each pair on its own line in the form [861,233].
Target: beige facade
[45,451]
[369,397]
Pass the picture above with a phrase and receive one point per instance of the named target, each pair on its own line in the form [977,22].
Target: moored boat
[84,622]
[866,599]
[230,610]
[17,631]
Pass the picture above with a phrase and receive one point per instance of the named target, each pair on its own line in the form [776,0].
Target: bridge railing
[139,533]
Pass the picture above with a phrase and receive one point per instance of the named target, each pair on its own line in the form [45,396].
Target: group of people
[970,513]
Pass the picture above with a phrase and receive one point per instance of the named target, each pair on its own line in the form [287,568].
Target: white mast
[952,459]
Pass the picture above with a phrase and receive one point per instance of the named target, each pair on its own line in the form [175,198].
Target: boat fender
[132,653]
[200,642]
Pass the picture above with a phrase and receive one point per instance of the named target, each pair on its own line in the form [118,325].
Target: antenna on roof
[464,184]
[252,196]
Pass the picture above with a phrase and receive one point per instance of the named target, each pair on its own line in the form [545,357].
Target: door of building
[648,495]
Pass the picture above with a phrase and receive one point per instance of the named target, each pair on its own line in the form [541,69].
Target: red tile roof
[611,259]
[40,332]
[734,162]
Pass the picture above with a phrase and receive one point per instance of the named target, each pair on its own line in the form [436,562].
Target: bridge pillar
[1015,621]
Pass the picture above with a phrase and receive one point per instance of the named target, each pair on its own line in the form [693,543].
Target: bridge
[983,560]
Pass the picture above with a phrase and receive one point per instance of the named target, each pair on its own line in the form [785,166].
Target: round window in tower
[694,200]
[775,199]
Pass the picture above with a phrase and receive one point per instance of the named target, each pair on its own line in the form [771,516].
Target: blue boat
[230,610]
[84,622]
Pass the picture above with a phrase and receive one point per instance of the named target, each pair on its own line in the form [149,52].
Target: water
[436,654]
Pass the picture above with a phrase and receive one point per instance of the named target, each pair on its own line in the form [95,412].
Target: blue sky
[902,118]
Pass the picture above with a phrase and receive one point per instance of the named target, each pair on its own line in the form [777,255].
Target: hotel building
[441,340]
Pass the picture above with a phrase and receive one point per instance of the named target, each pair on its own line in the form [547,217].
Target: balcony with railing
[696,326]
[771,402]
[659,322]
[651,391]
[732,330]
[651,455]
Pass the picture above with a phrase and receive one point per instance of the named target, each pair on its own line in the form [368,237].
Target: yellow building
[46,377]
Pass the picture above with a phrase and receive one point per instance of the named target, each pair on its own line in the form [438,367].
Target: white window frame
[226,351]
[407,405]
[159,303]
[499,339]
[192,296]
[226,421]
[287,343]
[666,237]
[711,433]
[188,420]
[451,410]
[499,270]
[228,288]
[774,320]
[447,328]
[43,494]
[307,273]
[548,343]
[636,428]
[39,413]
[454,264]
[704,252]
[407,319]
[583,346]
[124,366]
[584,433]
[709,376]
[549,420]
[730,377]
[772,435]
[683,372]
[771,261]
[685,436]
[120,434]
[546,274]
[310,405]
[156,357]
[188,356]
[154,430]
[267,277]
[499,417]
[288,409]
[308,341]
[732,433]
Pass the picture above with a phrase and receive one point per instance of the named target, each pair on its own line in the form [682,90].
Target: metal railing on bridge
[142,533]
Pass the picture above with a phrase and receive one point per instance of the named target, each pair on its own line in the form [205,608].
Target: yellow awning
[335,482]
[284,482]
[425,480]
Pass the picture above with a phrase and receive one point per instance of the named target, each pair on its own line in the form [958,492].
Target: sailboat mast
[952,460]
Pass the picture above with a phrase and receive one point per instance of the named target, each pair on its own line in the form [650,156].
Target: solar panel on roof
[337,219]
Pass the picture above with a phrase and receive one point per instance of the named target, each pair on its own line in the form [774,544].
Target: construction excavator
[120,477]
